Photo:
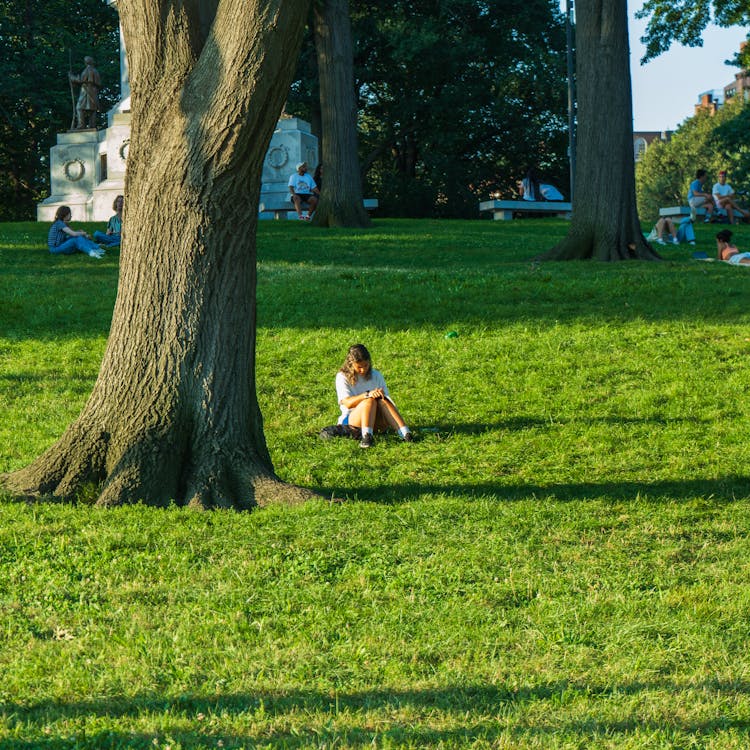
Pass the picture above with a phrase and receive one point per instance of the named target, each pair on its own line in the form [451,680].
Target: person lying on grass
[364,399]
[725,250]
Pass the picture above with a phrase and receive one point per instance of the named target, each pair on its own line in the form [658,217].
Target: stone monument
[291,143]
[87,166]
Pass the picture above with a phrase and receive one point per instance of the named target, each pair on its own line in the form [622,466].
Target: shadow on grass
[452,275]
[474,713]
[528,422]
[722,489]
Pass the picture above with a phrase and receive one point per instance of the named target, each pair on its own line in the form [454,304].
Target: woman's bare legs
[364,415]
[377,415]
[388,413]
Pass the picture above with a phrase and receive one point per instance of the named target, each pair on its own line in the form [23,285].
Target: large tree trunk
[605,222]
[174,415]
[341,197]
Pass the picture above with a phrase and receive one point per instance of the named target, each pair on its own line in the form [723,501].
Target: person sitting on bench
[724,197]
[697,198]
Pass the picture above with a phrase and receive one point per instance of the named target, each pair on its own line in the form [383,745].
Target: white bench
[504,210]
[676,213]
[284,209]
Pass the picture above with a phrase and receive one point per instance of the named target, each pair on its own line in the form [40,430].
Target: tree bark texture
[341,196]
[174,416]
[605,223]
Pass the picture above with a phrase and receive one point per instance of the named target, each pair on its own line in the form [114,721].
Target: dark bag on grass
[340,430]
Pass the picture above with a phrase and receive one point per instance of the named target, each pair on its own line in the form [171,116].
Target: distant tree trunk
[341,197]
[605,223]
[174,414]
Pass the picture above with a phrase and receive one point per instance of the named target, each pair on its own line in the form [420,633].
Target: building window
[639,148]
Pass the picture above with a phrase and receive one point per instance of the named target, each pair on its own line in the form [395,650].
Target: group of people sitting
[721,200]
[64,240]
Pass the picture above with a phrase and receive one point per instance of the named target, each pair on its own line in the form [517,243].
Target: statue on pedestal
[88,98]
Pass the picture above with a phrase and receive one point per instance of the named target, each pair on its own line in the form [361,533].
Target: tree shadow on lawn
[722,489]
[522,422]
[491,710]
[465,289]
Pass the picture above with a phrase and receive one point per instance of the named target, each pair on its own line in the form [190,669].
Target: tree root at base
[67,472]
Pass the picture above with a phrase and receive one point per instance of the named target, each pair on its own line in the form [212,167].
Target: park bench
[283,209]
[504,210]
[677,213]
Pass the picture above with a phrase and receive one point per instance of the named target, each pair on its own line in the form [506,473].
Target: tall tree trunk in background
[341,197]
[174,414]
[605,223]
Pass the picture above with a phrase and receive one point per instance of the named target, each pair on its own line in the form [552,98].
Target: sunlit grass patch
[559,561]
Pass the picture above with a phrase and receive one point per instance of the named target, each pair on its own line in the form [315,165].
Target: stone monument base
[291,143]
[87,167]
[87,171]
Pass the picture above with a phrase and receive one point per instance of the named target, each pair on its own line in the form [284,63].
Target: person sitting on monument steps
[303,191]
[114,226]
[62,240]
[88,97]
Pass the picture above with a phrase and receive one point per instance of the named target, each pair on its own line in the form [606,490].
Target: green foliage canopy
[684,20]
[705,141]
[37,41]
[456,99]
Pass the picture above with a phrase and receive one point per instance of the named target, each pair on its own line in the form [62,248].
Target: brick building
[642,139]
[713,100]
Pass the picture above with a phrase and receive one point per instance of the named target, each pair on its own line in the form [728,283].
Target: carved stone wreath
[74,169]
[278,157]
[124,148]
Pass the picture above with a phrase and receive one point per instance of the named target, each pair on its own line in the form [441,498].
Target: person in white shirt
[364,399]
[303,191]
[724,198]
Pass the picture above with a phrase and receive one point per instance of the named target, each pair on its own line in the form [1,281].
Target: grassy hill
[559,561]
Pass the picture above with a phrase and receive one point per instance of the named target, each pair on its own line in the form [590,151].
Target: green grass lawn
[562,559]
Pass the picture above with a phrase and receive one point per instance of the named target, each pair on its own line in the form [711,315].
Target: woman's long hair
[531,184]
[356,353]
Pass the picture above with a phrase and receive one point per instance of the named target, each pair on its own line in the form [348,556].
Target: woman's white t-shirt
[344,390]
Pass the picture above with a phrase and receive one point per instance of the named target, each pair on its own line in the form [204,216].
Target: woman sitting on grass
[114,225]
[725,250]
[663,226]
[62,240]
[364,399]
